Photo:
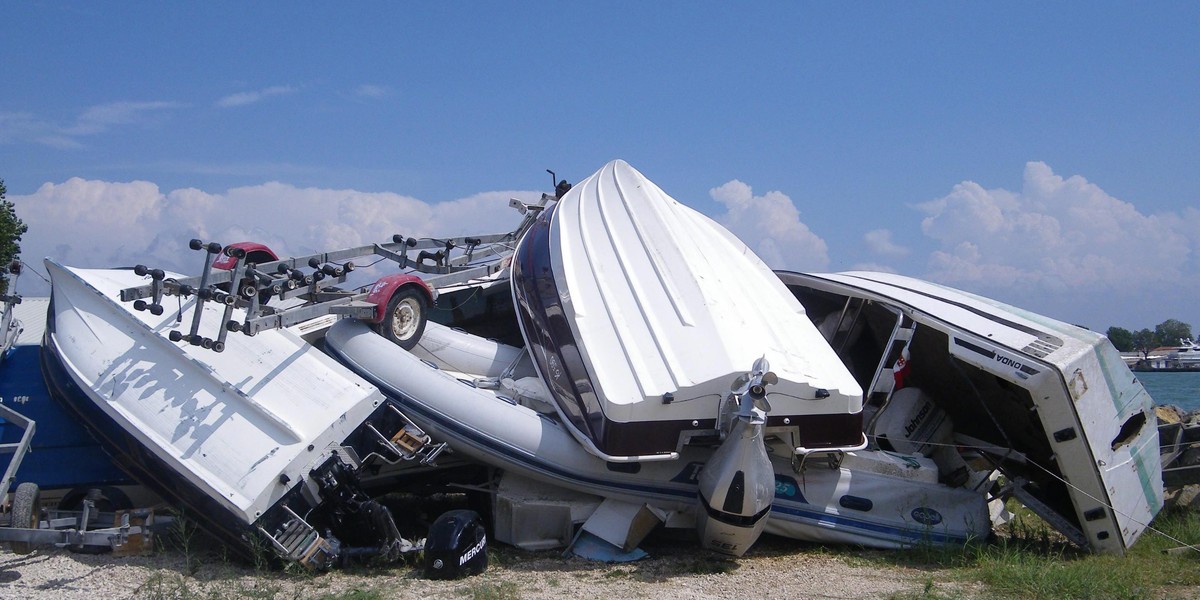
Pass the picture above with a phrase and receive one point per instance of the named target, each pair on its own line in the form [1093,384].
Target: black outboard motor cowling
[456,546]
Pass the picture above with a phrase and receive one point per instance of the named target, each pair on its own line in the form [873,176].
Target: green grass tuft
[355,594]
[1030,560]
[505,590]
[1033,563]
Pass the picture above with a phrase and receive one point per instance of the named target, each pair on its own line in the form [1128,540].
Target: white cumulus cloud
[91,223]
[880,242]
[1054,234]
[770,225]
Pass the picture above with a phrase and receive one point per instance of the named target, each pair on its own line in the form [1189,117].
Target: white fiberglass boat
[266,437]
[1187,355]
[639,311]
[1051,405]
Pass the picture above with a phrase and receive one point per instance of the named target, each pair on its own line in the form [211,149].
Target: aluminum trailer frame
[73,530]
[477,257]
[17,449]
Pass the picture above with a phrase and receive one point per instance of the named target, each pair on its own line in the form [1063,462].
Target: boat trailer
[230,278]
[75,530]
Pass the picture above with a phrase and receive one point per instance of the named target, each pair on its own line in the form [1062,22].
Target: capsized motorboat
[265,438]
[639,311]
[1051,405]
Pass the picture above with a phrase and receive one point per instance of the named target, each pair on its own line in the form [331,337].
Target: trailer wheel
[26,513]
[404,321]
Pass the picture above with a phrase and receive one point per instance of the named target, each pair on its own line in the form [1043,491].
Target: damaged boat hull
[242,441]
[1052,403]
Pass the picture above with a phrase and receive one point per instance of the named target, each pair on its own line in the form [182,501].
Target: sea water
[1179,388]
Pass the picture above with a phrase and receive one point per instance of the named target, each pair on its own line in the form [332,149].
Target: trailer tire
[26,513]
[404,321]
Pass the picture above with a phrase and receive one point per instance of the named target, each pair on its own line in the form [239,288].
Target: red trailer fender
[382,290]
[255,253]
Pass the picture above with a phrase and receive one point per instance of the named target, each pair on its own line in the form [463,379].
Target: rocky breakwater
[1179,443]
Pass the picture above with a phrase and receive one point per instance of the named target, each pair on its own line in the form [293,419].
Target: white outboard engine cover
[737,487]
[911,423]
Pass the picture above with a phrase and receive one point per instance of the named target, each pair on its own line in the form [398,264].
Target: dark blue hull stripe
[821,519]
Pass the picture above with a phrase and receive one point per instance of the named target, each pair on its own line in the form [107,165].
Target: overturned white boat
[264,438]
[639,312]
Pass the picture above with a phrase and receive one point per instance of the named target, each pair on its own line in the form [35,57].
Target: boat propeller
[753,386]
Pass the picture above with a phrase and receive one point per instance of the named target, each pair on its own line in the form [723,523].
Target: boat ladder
[410,442]
[298,541]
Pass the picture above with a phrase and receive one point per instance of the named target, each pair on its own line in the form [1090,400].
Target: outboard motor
[737,485]
[911,423]
[456,546]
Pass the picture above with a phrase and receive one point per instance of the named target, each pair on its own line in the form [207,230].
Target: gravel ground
[775,568]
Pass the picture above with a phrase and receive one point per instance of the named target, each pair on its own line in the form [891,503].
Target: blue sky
[1046,156]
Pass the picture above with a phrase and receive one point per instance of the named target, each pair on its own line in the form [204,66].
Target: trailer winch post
[239,267]
[202,293]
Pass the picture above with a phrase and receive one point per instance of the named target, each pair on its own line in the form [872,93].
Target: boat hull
[64,460]
[140,463]
[235,439]
[640,312]
[1069,415]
